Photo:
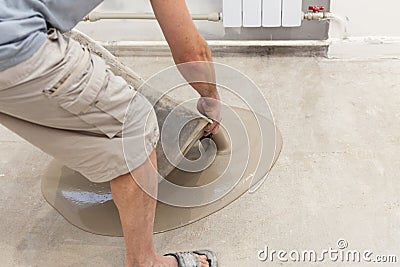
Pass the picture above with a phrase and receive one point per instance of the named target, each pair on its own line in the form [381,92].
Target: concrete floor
[337,176]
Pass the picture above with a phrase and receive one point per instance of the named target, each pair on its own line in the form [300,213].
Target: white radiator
[262,13]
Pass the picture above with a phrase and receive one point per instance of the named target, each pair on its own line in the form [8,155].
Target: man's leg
[137,211]
[64,101]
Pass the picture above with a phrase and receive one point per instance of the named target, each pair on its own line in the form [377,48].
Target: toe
[203,260]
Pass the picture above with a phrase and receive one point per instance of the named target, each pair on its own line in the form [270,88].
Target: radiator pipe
[95,16]
[215,17]
[328,16]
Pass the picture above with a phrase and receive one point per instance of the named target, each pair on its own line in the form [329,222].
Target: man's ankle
[141,260]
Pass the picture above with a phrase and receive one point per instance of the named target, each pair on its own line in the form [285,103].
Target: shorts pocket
[96,96]
[115,97]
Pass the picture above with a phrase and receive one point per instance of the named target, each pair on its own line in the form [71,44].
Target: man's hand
[211,108]
[192,55]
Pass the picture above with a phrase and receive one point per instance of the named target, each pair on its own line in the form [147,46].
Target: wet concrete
[337,176]
[243,156]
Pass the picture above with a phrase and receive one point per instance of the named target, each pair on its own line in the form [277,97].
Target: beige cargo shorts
[65,101]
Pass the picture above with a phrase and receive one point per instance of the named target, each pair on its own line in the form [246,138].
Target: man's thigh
[65,101]
[64,86]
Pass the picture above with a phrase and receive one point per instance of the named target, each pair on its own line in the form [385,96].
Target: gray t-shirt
[24,23]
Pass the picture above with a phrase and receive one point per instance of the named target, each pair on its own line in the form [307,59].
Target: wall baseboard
[369,47]
[220,48]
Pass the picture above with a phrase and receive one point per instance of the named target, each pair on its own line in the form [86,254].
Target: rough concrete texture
[337,176]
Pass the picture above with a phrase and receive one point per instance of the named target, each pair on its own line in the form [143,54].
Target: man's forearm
[192,55]
[187,45]
[198,70]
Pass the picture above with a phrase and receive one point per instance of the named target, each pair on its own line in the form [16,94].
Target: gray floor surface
[337,177]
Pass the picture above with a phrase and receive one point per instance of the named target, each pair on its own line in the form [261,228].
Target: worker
[50,80]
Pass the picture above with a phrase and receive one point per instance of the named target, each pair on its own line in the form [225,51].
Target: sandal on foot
[188,259]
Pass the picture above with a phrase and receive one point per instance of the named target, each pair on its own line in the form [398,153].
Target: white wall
[365,18]
[112,30]
[369,17]
[373,29]
[146,30]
